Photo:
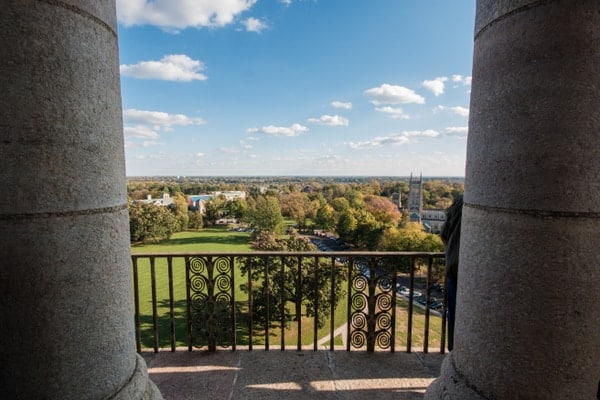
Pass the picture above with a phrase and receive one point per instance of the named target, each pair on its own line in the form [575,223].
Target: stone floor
[292,375]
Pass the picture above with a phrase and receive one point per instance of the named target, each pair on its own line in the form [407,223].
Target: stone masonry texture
[529,283]
[65,278]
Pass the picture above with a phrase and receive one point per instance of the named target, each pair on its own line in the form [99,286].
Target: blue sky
[295,87]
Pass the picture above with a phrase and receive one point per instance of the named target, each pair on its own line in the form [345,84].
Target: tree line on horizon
[361,214]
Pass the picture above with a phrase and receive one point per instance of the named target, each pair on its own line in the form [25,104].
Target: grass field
[221,240]
[208,239]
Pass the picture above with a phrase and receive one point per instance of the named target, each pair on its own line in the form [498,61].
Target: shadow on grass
[180,322]
[232,240]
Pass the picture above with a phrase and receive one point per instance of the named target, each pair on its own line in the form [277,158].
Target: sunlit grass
[221,240]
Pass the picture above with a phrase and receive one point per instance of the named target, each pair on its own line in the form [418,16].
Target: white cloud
[380,141]
[147,124]
[436,86]
[342,105]
[254,25]
[157,120]
[425,133]
[331,160]
[458,110]
[392,94]
[161,155]
[245,145]
[200,155]
[285,131]
[330,120]
[465,80]
[140,131]
[394,112]
[396,139]
[229,150]
[286,2]
[173,15]
[173,67]
[458,131]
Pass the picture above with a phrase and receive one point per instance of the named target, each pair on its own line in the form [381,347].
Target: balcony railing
[300,300]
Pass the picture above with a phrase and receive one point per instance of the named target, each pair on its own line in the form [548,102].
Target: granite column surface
[528,319]
[65,276]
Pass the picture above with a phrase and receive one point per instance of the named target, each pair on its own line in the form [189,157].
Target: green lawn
[206,240]
[221,240]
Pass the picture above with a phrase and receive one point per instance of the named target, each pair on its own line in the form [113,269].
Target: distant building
[415,198]
[231,195]
[165,200]
[397,200]
[433,220]
[197,201]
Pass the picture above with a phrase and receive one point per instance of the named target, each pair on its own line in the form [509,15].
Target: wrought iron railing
[301,299]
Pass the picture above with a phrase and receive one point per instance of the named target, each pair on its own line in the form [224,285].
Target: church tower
[415,198]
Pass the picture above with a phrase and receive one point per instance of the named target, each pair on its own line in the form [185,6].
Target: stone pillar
[528,313]
[65,278]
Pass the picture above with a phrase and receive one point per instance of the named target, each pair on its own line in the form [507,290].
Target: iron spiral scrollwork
[210,284]
[371,304]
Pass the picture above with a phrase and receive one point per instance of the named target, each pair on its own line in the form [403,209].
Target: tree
[266,216]
[346,226]
[411,237]
[340,204]
[296,205]
[283,284]
[150,223]
[179,208]
[326,217]
[213,209]
[355,198]
[195,220]
[383,210]
[368,230]
[237,208]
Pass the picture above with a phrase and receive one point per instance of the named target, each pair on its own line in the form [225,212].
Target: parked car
[436,305]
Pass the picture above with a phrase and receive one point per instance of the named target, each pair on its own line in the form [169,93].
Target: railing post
[267,297]
[349,306]
[371,314]
[282,306]
[411,292]
[171,303]
[211,322]
[154,309]
[316,294]
[233,308]
[188,302]
[393,294]
[249,263]
[427,304]
[332,304]
[299,296]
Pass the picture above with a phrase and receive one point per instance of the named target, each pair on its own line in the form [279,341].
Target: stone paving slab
[292,375]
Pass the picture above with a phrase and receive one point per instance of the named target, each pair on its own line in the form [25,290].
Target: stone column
[65,278]
[528,313]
